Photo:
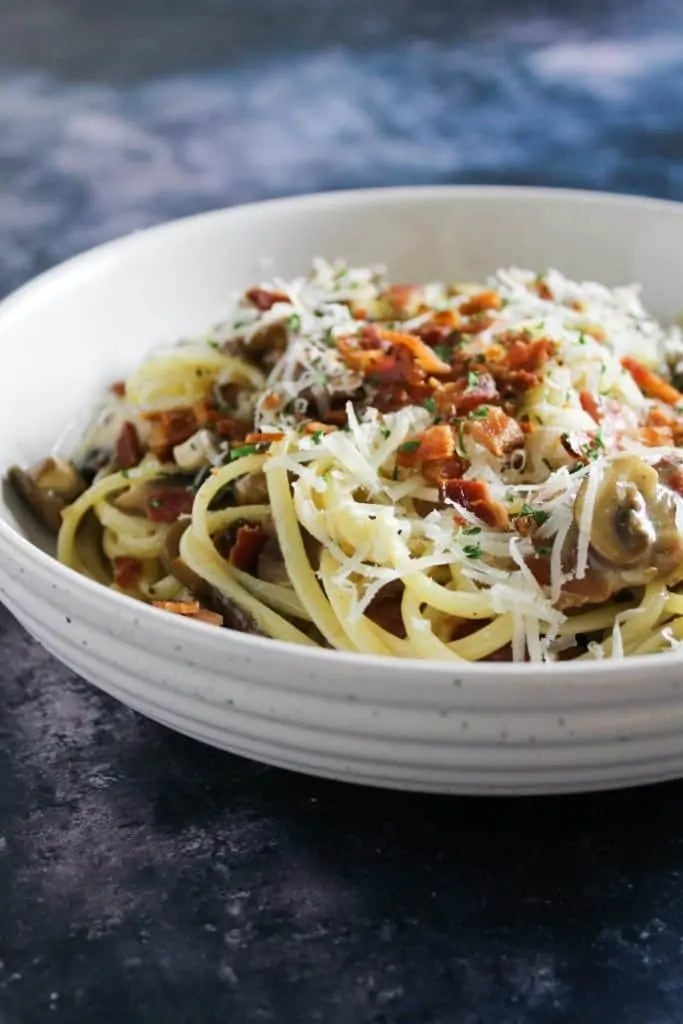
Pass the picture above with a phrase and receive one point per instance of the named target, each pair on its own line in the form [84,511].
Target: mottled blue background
[145,878]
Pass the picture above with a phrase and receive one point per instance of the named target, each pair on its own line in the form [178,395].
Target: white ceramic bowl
[489,728]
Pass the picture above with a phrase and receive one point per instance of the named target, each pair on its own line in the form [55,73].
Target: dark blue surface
[145,878]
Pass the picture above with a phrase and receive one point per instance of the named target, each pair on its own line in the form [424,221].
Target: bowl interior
[64,337]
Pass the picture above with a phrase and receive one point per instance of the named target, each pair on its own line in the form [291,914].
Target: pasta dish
[443,471]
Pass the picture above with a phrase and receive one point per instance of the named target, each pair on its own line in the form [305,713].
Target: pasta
[457,472]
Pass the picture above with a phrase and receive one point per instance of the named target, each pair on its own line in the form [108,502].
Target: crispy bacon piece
[458,398]
[650,383]
[268,438]
[166,502]
[404,299]
[439,327]
[436,470]
[128,447]
[265,300]
[589,404]
[530,356]
[426,358]
[497,431]
[169,428]
[480,302]
[475,496]
[435,444]
[192,610]
[118,388]
[126,571]
[249,541]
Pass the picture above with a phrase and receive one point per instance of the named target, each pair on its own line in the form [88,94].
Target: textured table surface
[145,878]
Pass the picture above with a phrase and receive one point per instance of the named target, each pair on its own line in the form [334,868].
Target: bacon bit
[191,610]
[497,431]
[590,405]
[480,302]
[656,437]
[315,427]
[249,540]
[436,470]
[166,502]
[440,327]
[404,298]
[265,300]
[271,401]
[435,444]
[458,398]
[422,353]
[128,447]
[263,438]
[359,313]
[216,420]
[543,290]
[475,496]
[118,388]
[336,417]
[530,355]
[126,571]
[650,383]
[671,476]
[170,427]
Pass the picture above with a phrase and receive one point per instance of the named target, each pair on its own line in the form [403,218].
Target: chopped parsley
[472,550]
[294,322]
[471,530]
[245,449]
[409,446]
[591,450]
[537,514]
[582,338]
[545,550]
[317,436]
[444,352]
[480,413]
[213,344]
[430,404]
[472,379]
[385,432]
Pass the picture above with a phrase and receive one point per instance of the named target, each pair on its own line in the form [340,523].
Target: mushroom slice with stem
[48,487]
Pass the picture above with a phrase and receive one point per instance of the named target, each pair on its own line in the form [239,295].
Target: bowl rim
[533,673]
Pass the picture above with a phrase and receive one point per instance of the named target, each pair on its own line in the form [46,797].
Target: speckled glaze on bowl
[436,727]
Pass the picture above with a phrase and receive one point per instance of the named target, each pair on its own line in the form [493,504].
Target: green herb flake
[472,379]
[317,436]
[480,413]
[582,338]
[537,514]
[471,530]
[545,550]
[245,449]
[444,352]
[294,322]
[472,550]
[430,405]
[385,432]
[409,446]
[213,344]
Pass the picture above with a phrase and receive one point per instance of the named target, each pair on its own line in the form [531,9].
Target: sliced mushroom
[48,487]
[251,489]
[173,563]
[626,512]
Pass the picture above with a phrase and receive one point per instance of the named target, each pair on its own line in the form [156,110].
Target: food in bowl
[481,471]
